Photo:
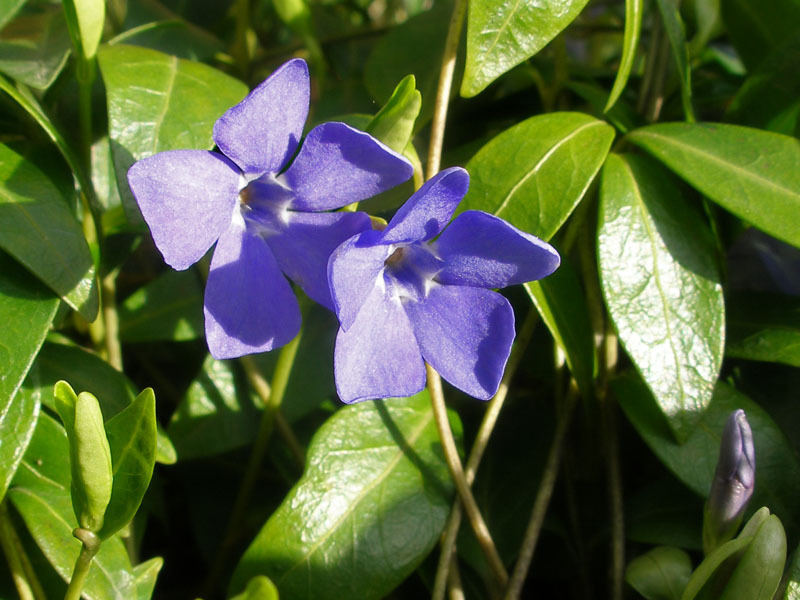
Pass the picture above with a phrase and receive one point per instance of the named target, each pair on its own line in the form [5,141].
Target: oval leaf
[754,174]
[660,282]
[535,173]
[85,19]
[660,574]
[500,35]
[759,571]
[370,506]
[37,228]
[173,102]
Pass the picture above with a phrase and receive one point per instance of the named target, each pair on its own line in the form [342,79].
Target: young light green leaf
[394,123]
[132,439]
[764,327]
[676,33]
[40,493]
[759,571]
[535,173]
[661,285]
[85,19]
[370,506]
[693,462]
[258,588]
[36,62]
[27,308]
[660,574]
[630,43]
[754,174]
[146,574]
[500,35]
[37,228]
[174,103]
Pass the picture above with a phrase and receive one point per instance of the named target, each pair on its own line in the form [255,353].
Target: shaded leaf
[759,571]
[676,33]
[8,9]
[535,173]
[370,506]
[34,49]
[173,102]
[757,29]
[660,574]
[793,584]
[258,588]
[660,282]
[500,35]
[764,327]
[630,43]
[754,174]
[37,228]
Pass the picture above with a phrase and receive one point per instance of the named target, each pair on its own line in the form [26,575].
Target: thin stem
[454,580]
[543,496]
[457,472]
[111,320]
[443,91]
[91,544]
[28,586]
[273,396]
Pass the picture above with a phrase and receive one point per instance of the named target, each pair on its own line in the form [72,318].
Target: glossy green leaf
[40,493]
[676,33]
[146,574]
[754,174]
[8,9]
[37,228]
[173,102]
[693,462]
[370,506]
[759,571]
[258,588]
[660,574]
[85,19]
[18,416]
[169,308]
[35,60]
[500,35]
[756,29]
[660,282]
[705,571]
[764,327]
[535,173]
[561,302]
[26,310]
[394,123]
[630,43]
[132,439]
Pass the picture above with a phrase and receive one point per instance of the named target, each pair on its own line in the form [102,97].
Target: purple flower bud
[733,482]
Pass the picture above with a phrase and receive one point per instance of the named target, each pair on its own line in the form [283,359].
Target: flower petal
[427,212]
[482,250]
[338,165]
[465,333]
[378,356]
[353,271]
[303,248]
[249,305]
[261,133]
[187,199]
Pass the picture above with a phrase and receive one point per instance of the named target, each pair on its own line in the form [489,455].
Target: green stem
[457,472]
[272,396]
[543,496]
[111,340]
[91,544]
[19,565]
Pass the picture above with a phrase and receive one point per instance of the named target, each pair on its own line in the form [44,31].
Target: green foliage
[660,574]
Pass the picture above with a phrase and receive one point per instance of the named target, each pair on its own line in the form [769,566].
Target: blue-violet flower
[403,298]
[266,218]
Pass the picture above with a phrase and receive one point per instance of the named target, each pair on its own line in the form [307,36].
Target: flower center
[264,203]
[409,271]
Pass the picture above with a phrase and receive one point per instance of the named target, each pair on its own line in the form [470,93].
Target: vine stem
[457,472]
[22,573]
[91,544]
[543,496]
[447,555]
[274,397]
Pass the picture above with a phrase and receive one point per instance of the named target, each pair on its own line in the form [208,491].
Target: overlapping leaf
[764,327]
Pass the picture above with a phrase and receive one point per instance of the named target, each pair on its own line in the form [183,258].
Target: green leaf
[535,173]
[764,327]
[660,282]
[26,310]
[37,228]
[8,9]
[146,574]
[693,462]
[89,455]
[759,571]
[706,570]
[630,43]
[754,174]
[660,574]
[793,585]
[621,115]
[174,103]
[561,302]
[85,19]
[500,35]
[132,439]
[169,308]
[40,493]
[34,50]
[258,588]
[394,123]
[676,33]
[18,417]
[756,29]
[370,506]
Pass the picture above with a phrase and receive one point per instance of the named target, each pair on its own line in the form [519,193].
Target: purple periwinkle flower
[265,215]
[403,298]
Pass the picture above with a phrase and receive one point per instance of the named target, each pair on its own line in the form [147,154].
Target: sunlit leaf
[394,123]
[630,43]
